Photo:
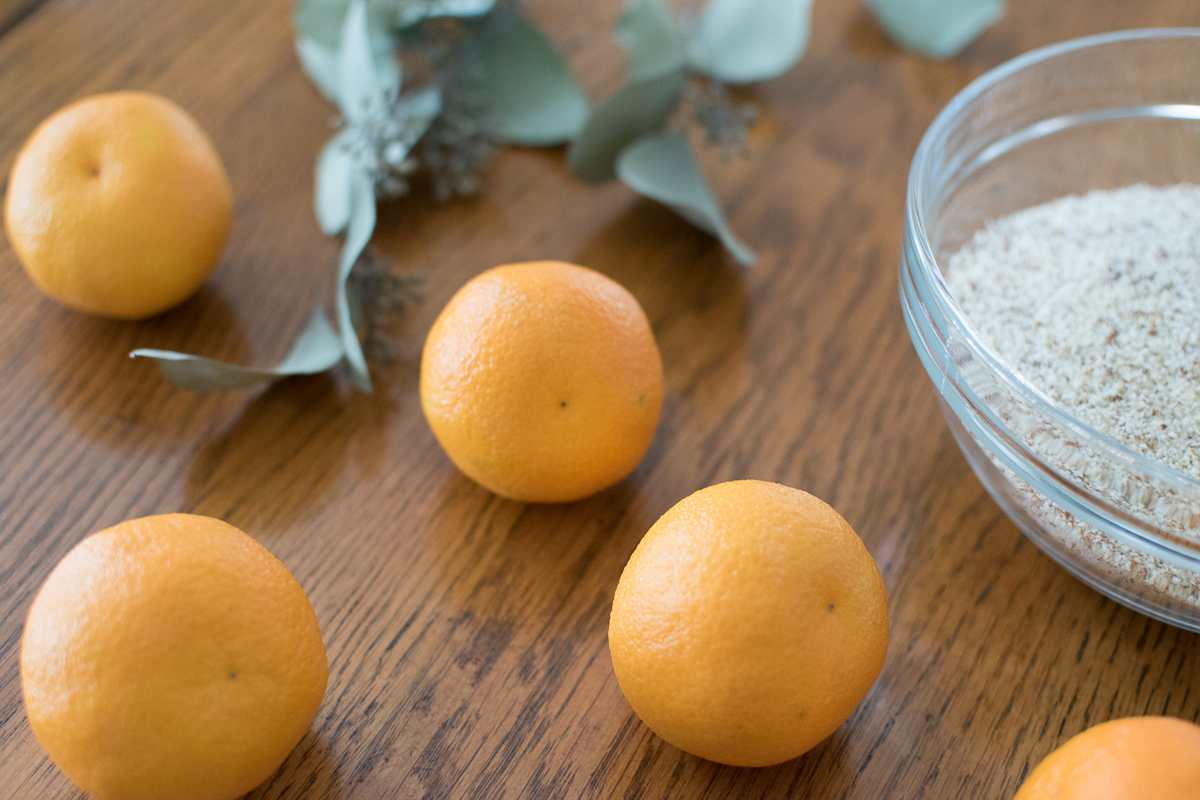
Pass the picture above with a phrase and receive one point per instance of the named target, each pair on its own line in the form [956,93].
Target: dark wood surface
[466,634]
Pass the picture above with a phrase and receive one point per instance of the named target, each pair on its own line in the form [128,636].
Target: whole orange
[1123,759]
[748,624]
[171,657]
[542,381]
[118,205]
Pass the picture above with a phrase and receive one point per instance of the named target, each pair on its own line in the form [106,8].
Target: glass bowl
[1096,113]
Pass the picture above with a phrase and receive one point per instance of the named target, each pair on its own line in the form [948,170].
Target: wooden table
[466,634]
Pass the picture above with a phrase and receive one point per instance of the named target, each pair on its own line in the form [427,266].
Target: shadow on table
[530,584]
[827,770]
[288,450]
[124,402]
[310,771]
[498,557]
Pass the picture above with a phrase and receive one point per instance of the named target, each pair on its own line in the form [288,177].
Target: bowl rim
[916,191]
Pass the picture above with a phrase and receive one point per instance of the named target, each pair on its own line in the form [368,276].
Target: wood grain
[467,634]
[13,12]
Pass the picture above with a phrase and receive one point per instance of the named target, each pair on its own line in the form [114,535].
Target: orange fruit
[542,381]
[118,205]
[171,656]
[748,624]
[1157,758]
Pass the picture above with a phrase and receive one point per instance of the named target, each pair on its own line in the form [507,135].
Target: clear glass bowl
[1096,113]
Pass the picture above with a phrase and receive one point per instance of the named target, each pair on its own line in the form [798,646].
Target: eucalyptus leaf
[663,168]
[360,89]
[410,12]
[649,32]
[358,233]
[321,20]
[636,110]
[538,101]
[356,304]
[317,349]
[320,63]
[937,28]
[742,41]
[331,197]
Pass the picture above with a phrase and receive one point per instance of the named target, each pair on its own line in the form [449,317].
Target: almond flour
[1095,300]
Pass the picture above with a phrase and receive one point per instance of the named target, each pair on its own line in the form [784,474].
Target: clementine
[1123,759]
[118,205]
[171,656]
[542,381]
[748,624]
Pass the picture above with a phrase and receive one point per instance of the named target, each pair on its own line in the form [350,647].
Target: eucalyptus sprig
[674,57]
[936,28]
[483,75]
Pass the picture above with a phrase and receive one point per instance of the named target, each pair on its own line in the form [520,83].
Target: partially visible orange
[748,624]
[118,205]
[1156,758]
[171,657]
[542,381]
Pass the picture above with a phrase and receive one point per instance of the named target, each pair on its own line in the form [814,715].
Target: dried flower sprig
[462,139]
[726,124]
[376,293]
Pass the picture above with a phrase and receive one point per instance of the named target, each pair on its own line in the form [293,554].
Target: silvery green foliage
[649,31]
[636,110]
[536,99]
[731,42]
[378,146]
[379,129]
[317,349]
[663,168]
[494,77]
[651,94]
[937,28]
[743,41]
[321,64]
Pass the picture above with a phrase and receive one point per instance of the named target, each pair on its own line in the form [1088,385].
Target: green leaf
[362,225]
[316,350]
[360,89]
[336,163]
[331,197]
[410,12]
[663,168]
[320,63]
[538,100]
[636,110]
[656,47]
[321,20]
[321,66]
[742,41]
[937,28]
